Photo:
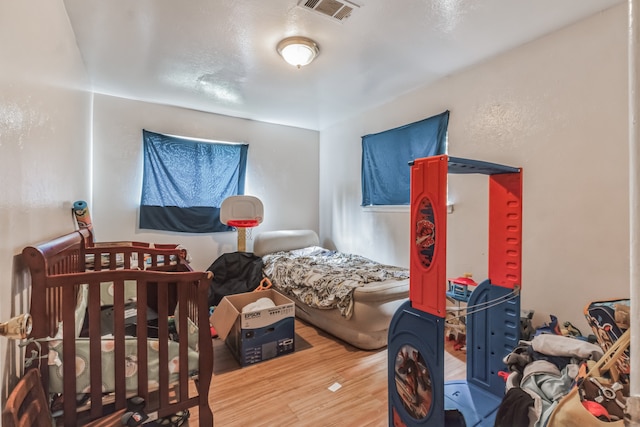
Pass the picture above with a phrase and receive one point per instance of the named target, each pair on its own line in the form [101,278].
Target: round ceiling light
[298,51]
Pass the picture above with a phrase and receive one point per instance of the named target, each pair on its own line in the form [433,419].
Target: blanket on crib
[326,279]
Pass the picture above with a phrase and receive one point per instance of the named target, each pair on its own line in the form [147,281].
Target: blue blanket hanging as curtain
[386,156]
[185,182]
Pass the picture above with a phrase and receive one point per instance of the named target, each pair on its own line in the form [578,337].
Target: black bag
[234,273]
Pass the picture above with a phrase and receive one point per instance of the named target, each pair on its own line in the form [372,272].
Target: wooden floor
[293,390]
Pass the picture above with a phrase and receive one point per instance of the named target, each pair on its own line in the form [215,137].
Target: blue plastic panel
[477,406]
[424,332]
[459,165]
[492,333]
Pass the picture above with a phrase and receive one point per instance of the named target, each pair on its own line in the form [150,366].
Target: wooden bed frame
[58,271]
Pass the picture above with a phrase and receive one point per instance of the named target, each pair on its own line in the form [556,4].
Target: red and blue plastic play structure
[418,394]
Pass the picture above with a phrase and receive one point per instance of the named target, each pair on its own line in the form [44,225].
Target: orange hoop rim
[243,223]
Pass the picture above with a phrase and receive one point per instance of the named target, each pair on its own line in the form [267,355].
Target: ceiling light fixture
[298,51]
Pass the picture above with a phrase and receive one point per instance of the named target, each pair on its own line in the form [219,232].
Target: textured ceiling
[220,55]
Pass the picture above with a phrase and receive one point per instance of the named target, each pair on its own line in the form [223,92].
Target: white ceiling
[220,55]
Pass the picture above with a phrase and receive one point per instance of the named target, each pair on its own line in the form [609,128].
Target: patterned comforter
[326,279]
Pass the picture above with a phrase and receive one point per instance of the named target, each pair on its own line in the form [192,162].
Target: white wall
[282,171]
[45,119]
[556,107]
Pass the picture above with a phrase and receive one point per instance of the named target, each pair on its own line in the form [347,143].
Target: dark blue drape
[386,156]
[185,182]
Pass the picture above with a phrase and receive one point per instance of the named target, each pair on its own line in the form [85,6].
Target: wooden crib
[69,279]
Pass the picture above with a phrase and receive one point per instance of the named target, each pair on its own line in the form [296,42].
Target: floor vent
[335,9]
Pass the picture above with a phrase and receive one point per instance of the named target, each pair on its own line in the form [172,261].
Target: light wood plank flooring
[293,390]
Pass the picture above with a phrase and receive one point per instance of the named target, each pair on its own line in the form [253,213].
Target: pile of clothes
[545,368]
[542,371]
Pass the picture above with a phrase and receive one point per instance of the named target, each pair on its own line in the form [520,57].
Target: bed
[348,296]
[74,298]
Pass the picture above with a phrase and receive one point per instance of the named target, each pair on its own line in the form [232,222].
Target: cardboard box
[257,335]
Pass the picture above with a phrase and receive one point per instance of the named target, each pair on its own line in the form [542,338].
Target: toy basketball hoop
[241,212]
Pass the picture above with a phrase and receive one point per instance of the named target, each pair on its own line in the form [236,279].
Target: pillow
[310,251]
[106,292]
[81,308]
[283,240]
[80,311]
[192,331]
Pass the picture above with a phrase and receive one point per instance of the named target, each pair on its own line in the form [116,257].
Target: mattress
[373,304]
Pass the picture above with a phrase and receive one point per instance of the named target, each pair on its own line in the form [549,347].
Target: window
[185,181]
[386,155]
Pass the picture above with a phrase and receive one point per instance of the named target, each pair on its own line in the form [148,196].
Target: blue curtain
[185,182]
[386,156]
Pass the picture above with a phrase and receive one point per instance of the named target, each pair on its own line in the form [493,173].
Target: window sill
[397,208]
[387,208]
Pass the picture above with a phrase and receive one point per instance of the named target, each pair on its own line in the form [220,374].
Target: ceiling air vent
[338,10]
